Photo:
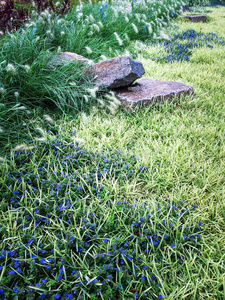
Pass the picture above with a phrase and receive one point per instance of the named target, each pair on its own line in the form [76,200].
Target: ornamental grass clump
[15,122]
[70,237]
[26,78]
[116,23]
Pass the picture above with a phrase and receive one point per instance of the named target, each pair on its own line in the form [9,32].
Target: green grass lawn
[122,205]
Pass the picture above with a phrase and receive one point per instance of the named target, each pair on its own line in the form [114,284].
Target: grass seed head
[126,36]
[84,118]
[103,57]
[120,42]
[96,27]
[102,104]
[11,69]
[88,49]
[27,68]
[42,139]
[78,140]
[93,91]
[150,28]
[111,96]
[48,119]
[112,108]
[86,98]
[100,24]
[23,147]
[135,27]
[42,131]
[79,16]
[91,18]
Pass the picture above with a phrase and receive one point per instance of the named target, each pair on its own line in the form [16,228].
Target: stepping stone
[116,72]
[196,18]
[148,91]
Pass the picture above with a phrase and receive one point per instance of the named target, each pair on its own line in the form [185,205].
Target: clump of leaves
[13,17]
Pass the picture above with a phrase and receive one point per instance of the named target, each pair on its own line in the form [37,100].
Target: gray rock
[64,57]
[196,18]
[149,91]
[116,72]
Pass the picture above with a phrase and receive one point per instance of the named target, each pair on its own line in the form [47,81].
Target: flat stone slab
[116,72]
[150,91]
[196,18]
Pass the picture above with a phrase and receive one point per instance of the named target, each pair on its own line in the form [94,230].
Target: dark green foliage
[12,16]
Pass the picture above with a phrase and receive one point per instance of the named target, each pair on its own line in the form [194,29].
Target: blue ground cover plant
[71,238]
[178,47]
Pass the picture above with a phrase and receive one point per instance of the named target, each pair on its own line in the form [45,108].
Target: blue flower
[34,31]
[2,292]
